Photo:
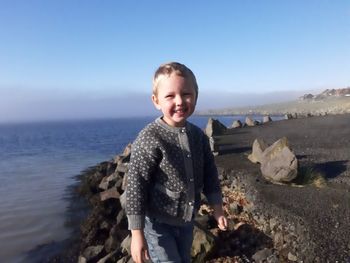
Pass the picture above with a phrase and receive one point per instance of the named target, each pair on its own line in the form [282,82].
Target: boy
[171,164]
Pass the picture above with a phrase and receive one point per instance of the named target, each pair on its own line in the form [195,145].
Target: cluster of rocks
[278,164]
[105,237]
[219,134]
[215,127]
[104,234]
[296,115]
[250,237]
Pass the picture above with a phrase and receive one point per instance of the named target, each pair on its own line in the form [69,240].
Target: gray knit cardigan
[169,169]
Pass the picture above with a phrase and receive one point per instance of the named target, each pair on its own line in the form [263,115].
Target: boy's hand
[222,223]
[138,247]
[220,218]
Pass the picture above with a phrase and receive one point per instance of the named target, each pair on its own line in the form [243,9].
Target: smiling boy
[171,165]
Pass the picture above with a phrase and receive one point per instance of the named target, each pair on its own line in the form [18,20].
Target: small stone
[127,151]
[122,167]
[203,242]
[125,180]
[92,252]
[236,124]
[113,177]
[122,200]
[104,184]
[278,240]
[104,225]
[292,257]
[266,119]
[111,244]
[258,148]
[125,245]
[110,193]
[107,257]
[124,259]
[82,259]
[262,255]
[121,215]
[250,122]
[272,259]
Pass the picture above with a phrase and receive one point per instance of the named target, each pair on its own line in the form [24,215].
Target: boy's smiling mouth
[180,111]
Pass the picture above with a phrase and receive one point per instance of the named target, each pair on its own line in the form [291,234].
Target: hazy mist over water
[17,105]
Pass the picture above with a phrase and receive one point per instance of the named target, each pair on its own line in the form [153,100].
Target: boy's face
[176,98]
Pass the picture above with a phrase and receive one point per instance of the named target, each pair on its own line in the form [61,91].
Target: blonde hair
[174,67]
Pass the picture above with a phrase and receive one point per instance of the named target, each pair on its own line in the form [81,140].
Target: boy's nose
[179,100]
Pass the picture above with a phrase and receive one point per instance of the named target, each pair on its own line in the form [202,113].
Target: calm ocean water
[39,161]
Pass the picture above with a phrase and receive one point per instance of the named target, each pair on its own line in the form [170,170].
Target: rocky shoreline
[267,222]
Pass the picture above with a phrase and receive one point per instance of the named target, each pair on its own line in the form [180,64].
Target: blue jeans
[166,243]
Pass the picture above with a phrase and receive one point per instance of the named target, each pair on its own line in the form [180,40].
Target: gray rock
[203,242]
[288,116]
[250,122]
[266,119]
[214,127]
[111,244]
[278,240]
[259,146]
[124,157]
[125,179]
[272,259]
[279,164]
[125,259]
[110,193]
[81,259]
[104,184]
[113,177]
[121,215]
[110,167]
[122,200]
[262,255]
[125,245]
[292,257]
[92,252]
[273,223]
[236,124]
[107,257]
[127,151]
[122,167]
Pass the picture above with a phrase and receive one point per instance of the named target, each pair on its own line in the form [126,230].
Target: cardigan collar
[166,126]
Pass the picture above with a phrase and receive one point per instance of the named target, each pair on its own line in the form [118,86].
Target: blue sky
[81,59]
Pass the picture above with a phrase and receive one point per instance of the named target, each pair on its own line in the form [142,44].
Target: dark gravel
[321,215]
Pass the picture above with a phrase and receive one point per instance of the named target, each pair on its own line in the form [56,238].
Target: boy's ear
[155,102]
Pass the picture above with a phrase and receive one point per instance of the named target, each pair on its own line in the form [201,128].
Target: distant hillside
[328,93]
[335,101]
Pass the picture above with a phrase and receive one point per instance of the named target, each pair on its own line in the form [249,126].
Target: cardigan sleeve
[142,164]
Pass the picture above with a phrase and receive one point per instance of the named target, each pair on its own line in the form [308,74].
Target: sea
[39,162]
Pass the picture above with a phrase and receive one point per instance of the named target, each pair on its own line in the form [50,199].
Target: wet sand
[322,145]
